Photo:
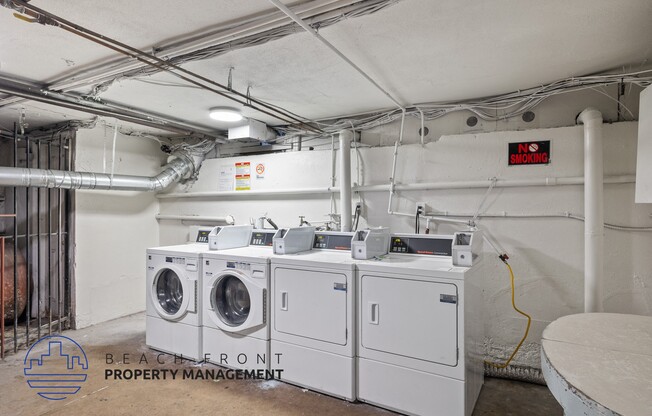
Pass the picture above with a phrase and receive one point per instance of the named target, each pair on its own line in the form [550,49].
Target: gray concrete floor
[99,396]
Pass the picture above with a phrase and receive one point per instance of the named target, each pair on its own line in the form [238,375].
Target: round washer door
[170,293]
[236,302]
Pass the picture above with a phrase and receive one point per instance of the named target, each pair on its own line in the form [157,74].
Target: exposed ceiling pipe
[410,187]
[44,17]
[593,209]
[37,93]
[319,37]
[212,37]
[196,218]
[345,179]
[181,167]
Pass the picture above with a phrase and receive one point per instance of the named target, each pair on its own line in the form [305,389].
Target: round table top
[600,363]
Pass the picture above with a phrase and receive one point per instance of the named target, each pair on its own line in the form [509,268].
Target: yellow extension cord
[527,329]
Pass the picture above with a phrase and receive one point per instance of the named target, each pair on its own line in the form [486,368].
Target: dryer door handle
[284,301]
[374,309]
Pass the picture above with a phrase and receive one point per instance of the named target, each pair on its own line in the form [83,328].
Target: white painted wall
[113,229]
[644,167]
[547,254]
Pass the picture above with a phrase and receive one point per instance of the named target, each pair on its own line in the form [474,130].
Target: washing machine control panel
[429,246]
[202,235]
[175,260]
[262,238]
[332,241]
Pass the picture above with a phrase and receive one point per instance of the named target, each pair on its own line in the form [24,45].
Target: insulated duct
[593,209]
[180,167]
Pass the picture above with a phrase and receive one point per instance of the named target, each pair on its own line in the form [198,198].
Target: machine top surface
[181,249]
[331,259]
[419,265]
[248,253]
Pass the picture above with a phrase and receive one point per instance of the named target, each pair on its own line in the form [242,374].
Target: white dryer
[235,313]
[313,316]
[420,329]
[173,297]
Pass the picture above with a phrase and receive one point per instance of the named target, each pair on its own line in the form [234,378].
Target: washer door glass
[169,291]
[231,300]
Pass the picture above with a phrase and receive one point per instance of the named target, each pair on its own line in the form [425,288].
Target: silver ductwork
[182,166]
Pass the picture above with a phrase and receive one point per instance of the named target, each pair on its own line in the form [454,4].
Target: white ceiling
[420,50]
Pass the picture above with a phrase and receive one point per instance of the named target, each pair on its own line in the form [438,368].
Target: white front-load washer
[235,312]
[313,316]
[420,329]
[173,292]
[173,322]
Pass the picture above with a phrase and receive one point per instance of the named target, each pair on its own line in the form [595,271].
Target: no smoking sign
[529,153]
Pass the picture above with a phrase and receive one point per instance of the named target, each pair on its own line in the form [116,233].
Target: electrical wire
[43,17]
[357,218]
[567,215]
[494,180]
[527,328]
[494,108]
[318,22]
[615,100]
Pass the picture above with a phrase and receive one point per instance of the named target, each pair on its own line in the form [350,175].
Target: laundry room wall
[547,253]
[113,228]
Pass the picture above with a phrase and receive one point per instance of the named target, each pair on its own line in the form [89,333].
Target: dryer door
[171,292]
[236,302]
[311,304]
[409,318]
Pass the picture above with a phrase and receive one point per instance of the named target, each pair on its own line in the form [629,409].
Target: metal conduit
[44,95]
[298,20]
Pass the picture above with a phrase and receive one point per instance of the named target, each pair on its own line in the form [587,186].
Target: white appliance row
[173,292]
[404,332]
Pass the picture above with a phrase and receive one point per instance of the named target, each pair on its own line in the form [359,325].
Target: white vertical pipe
[345,179]
[392,179]
[593,210]
[423,132]
[400,135]
[333,163]
[115,138]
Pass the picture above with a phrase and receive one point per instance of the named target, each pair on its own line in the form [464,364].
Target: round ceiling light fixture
[227,114]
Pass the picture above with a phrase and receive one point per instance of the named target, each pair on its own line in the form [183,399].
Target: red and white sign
[529,153]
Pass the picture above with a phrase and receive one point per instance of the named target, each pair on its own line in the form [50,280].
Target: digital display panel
[425,246]
[333,241]
[260,238]
[202,236]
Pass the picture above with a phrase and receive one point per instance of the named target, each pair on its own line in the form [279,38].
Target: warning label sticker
[529,153]
[243,168]
[243,176]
